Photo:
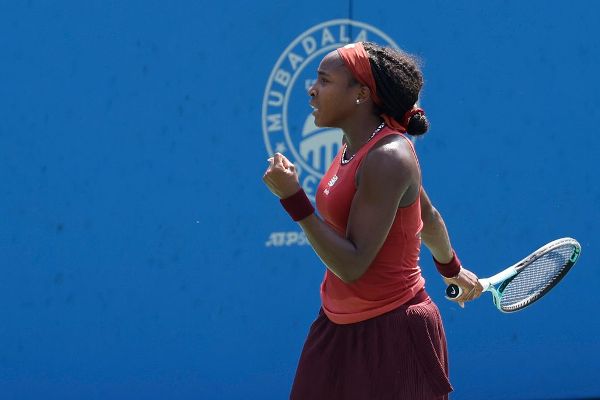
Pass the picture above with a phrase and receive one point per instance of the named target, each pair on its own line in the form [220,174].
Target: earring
[357,101]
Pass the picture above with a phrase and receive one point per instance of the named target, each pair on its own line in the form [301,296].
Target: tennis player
[378,334]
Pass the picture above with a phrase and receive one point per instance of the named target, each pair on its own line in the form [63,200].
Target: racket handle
[453,291]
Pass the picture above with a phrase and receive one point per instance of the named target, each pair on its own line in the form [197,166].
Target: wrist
[450,269]
[298,206]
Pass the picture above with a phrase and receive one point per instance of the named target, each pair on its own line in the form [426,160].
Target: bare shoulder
[392,153]
[389,163]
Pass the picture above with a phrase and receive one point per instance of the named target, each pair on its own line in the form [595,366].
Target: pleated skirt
[399,355]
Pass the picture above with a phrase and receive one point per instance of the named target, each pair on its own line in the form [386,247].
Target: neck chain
[375,132]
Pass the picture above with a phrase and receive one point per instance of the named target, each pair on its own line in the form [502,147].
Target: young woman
[378,334]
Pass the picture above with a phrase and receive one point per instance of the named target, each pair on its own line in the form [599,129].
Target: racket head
[537,274]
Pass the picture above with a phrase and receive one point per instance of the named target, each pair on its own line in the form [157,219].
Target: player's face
[334,94]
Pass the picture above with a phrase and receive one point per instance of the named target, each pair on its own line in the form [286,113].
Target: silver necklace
[375,132]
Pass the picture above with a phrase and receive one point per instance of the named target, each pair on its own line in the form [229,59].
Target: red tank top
[394,276]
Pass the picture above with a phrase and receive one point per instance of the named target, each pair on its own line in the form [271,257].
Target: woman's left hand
[469,284]
[281,177]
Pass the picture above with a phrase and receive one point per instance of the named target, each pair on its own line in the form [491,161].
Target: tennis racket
[531,278]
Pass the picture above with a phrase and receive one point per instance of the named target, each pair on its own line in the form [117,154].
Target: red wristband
[451,269]
[298,205]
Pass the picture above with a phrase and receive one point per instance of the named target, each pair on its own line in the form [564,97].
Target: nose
[311,91]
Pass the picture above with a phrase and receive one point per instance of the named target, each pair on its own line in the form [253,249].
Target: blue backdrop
[141,255]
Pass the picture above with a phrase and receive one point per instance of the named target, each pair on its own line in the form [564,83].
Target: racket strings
[535,278]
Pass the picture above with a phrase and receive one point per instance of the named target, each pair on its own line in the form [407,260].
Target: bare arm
[371,215]
[434,233]
[435,236]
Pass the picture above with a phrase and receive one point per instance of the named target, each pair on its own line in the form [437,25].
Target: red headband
[357,60]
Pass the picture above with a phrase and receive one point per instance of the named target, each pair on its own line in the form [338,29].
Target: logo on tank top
[331,182]
[287,122]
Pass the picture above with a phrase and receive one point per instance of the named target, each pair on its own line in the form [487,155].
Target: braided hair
[399,81]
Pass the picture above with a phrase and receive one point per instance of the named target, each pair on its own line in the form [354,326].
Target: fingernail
[462,305]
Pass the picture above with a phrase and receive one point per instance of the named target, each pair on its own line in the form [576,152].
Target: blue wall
[142,257]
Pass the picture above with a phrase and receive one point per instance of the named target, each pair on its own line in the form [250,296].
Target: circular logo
[287,121]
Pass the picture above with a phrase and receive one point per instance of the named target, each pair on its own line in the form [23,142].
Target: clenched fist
[281,177]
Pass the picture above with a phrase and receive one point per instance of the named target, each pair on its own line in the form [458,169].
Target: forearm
[338,253]
[435,236]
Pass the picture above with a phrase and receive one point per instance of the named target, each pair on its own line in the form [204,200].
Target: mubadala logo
[287,121]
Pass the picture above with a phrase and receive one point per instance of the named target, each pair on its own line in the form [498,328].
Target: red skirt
[398,355]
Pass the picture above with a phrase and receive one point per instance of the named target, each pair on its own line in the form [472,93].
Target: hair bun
[417,124]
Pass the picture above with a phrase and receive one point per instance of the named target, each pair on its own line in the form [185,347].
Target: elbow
[349,278]
[430,215]
[353,272]
[352,264]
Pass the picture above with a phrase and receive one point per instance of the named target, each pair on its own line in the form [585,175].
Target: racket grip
[453,291]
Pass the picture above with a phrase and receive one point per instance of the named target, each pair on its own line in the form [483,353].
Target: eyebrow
[321,72]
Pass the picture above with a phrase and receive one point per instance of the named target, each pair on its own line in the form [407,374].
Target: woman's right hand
[281,176]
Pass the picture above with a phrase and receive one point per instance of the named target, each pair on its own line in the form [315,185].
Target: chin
[319,123]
